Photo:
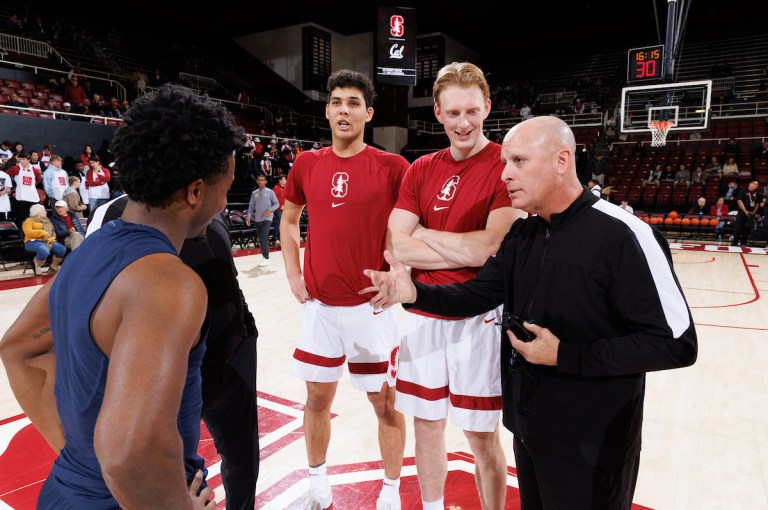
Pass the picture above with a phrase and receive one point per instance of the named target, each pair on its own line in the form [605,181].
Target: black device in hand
[515,325]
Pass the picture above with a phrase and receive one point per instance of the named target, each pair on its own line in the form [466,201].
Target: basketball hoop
[659,130]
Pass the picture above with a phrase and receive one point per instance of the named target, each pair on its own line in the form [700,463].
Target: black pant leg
[262,228]
[562,484]
[229,412]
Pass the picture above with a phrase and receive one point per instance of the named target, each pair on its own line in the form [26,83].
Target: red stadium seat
[26,85]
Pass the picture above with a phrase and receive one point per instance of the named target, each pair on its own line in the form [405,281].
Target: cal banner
[396,46]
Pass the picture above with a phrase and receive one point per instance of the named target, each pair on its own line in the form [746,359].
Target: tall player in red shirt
[451,215]
[350,188]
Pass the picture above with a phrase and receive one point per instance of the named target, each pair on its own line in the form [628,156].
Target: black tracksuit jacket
[603,282]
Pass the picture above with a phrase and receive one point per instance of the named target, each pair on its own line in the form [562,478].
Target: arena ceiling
[495,28]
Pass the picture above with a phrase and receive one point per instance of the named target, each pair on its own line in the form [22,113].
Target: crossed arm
[424,248]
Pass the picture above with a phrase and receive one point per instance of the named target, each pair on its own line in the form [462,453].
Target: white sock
[433,505]
[390,489]
[318,478]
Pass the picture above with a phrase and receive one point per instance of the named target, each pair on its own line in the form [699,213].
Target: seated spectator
[699,177]
[721,211]
[71,196]
[594,187]
[52,106]
[113,109]
[714,167]
[525,111]
[67,109]
[668,174]
[730,168]
[40,238]
[682,176]
[654,176]
[513,112]
[731,147]
[731,194]
[761,153]
[124,106]
[98,105]
[67,226]
[16,101]
[700,209]
[625,205]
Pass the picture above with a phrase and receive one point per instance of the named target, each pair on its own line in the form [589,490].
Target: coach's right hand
[393,286]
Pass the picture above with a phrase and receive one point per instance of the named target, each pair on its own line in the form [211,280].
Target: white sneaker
[263,263]
[315,499]
[387,504]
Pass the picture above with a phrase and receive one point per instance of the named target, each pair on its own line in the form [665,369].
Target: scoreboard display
[645,64]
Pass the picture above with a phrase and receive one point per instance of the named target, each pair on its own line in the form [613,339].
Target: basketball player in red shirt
[350,188]
[451,215]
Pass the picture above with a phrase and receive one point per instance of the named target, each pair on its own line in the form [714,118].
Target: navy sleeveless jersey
[81,368]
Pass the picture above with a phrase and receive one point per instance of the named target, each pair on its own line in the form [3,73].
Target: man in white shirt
[55,180]
[594,187]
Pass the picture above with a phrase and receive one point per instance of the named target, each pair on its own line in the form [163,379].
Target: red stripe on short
[422,392]
[380,367]
[476,403]
[320,361]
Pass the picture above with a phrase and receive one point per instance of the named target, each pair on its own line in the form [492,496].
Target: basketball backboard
[685,104]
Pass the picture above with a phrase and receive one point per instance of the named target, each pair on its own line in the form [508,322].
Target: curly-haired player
[125,414]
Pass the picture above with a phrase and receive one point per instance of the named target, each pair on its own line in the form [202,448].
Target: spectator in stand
[105,154]
[156,80]
[730,194]
[69,230]
[85,157]
[74,94]
[67,109]
[265,167]
[40,238]
[525,111]
[731,147]
[258,149]
[598,168]
[6,187]
[745,172]
[55,180]
[625,205]
[721,211]
[761,153]
[97,179]
[80,170]
[34,162]
[139,79]
[58,85]
[243,98]
[98,105]
[700,209]
[513,112]
[25,180]
[714,167]
[45,155]
[730,168]
[113,109]
[699,177]
[15,101]
[72,197]
[279,191]
[594,187]
[682,176]
[5,152]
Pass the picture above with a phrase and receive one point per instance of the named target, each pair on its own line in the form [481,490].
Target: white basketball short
[362,336]
[451,365]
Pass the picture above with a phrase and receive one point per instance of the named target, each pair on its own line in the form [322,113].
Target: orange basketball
[677,221]
[669,221]
[673,215]
[695,222]
[686,222]
[714,223]
[654,220]
[645,219]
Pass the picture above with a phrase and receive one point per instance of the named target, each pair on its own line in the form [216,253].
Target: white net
[659,130]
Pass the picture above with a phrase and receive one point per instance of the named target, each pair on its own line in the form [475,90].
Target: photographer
[596,289]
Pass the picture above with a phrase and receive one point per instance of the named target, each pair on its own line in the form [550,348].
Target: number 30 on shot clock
[645,63]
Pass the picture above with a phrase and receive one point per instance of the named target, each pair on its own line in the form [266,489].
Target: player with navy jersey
[349,189]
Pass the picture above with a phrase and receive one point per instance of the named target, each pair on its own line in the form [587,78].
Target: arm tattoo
[42,332]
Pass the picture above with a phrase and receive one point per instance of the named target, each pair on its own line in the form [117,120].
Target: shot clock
[645,64]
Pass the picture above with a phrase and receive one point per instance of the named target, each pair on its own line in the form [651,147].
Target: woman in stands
[85,157]
[730,168]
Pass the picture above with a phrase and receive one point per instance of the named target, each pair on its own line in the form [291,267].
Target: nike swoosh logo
[487,321]
[436,208]
[377,312]
[334,204]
